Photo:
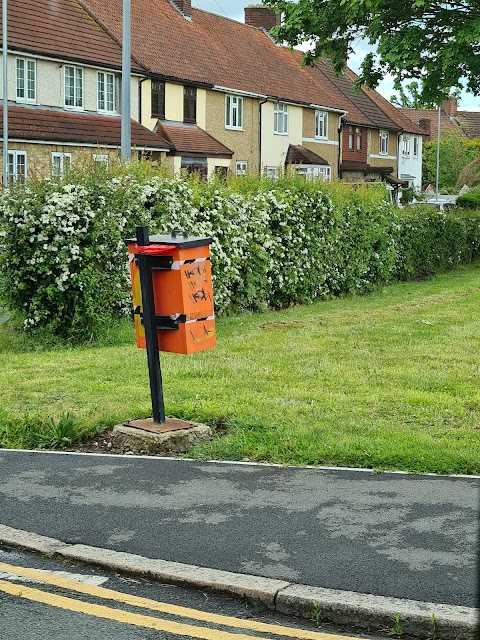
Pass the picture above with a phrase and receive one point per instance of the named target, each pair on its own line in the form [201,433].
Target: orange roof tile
[217,51]
[30,123]
[190,139]
[415,115]
[60,29]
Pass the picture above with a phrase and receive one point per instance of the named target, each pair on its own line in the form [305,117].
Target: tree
[437,42]
[410,96]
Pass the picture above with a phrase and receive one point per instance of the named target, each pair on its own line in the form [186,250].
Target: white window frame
[383,143]
[241,168]
[416,146]
[406,146]
[61,157]
[105,86]
[234,112]
[280,118]
[321,125]
[13,164]
[77,96]
[101,158]
[23,85]
[315,172]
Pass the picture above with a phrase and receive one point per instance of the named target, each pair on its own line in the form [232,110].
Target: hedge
[63,257]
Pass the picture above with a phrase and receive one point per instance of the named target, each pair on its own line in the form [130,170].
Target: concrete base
[141,441]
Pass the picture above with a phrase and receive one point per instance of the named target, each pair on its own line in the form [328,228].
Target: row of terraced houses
[208,94]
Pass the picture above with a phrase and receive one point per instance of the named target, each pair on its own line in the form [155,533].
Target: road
[387,534]
[44,598]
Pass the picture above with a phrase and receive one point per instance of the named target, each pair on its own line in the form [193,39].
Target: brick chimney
[426,124]
[184,6]
[256,15]
[450,106]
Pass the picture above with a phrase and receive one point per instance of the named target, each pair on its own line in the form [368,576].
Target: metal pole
[5,93]
[151,331]
[438,154]
[126,133]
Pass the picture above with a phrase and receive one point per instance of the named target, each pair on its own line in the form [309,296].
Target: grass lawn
[388,381]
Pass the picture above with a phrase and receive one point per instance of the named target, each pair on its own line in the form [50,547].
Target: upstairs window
[358,133]
[415,147]
[383,150]
[106,92]
[26,79]
[321,124]
[158,99]
[233,112]
[280,118]
[74,87]
[190,104]
[406,146]
[350,139]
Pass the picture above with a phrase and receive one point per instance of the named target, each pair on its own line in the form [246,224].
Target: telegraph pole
[126,129]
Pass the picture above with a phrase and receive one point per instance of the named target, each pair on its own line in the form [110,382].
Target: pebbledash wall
[327,149]
[243,142]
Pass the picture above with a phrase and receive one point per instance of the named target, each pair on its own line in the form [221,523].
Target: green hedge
[63,257]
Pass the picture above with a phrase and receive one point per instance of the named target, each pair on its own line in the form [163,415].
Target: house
[452,119]
[63,90]
[405,146]
[208,94]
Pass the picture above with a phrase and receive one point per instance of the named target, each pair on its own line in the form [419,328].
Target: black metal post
[151,335]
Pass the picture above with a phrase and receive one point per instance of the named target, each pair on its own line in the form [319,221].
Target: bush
[470,174]
[470,200]
[63,256]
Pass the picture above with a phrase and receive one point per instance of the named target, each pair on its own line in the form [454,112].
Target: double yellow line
[140,620]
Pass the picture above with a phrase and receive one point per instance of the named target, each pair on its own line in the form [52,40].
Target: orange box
[182,292]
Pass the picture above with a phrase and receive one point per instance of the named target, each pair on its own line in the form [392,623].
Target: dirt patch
[281,325]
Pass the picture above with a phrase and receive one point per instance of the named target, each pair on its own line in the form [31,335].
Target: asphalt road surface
[405,536]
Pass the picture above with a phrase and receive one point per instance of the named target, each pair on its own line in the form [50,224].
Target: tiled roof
[470,122]
[416,115]
[187,138]
[28,123]
[60,29]
[393,112]
[369,108]
[217,51]
[297,154]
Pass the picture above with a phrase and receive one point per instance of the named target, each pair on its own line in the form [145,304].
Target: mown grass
[387,381]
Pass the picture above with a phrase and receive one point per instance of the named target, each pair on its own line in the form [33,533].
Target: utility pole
[438,154]
[5,93]
[126,128]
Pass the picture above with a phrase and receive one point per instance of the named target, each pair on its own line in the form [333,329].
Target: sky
[235,9]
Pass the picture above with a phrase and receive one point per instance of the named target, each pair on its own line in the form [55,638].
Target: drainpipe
[140,99]
[340,128]
[260,135]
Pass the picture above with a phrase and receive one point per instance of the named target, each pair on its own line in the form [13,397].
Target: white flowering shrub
[63,259]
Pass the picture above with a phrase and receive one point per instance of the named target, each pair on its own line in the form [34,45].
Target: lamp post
[5,93]
[126,128]
[438,155]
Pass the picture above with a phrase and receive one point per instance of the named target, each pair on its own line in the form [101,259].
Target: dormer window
[190,104]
